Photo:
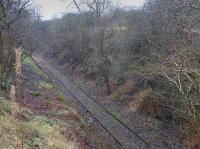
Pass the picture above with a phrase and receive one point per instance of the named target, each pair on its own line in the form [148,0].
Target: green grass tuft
[4,106]
[45,85]
[36,94]
[31,64]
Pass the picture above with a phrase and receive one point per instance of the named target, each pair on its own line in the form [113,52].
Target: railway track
[121,133]
[95,100]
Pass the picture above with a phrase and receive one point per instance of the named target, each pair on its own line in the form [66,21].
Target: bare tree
[96,6]
[175,56]
[10,12]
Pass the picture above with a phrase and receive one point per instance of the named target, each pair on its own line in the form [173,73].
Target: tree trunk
[1,47]
[108,84]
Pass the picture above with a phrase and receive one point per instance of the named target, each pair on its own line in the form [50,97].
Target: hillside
[40,117]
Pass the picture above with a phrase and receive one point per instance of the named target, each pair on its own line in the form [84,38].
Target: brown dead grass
[143,101]
[191,135]
[73,117]
[138,100]
[193,141]
[125,88]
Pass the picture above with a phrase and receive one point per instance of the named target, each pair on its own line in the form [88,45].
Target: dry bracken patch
[125,88]
[142,101]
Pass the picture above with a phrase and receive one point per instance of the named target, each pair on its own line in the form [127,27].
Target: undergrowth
[31,64]
[38,131]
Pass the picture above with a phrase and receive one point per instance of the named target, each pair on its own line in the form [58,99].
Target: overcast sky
[55,8]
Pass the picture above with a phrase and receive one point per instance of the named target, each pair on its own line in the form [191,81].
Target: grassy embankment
[30,126]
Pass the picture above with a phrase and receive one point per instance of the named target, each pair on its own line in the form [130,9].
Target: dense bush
[159,42]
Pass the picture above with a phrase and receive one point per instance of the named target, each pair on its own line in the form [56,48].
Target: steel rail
[102,106]
[105,109]
[90,113]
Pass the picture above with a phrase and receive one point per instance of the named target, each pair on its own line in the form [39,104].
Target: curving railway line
[121,133]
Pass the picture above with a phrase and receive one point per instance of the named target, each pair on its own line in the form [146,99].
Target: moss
[31,64]
[62,98]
